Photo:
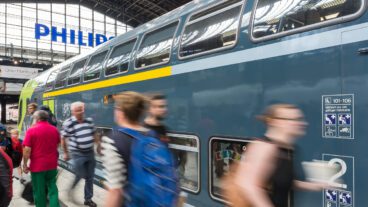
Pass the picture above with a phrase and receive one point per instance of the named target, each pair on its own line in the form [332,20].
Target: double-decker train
[220,63]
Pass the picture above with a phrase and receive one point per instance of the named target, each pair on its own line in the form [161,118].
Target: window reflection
[224,152]
[61,78]
[156,46]
[186,151]
[51,79]
[76,72]
[119,58]
[215,31]
[276,16]
[94,66]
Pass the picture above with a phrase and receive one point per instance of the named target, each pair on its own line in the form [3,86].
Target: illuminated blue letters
[75,37]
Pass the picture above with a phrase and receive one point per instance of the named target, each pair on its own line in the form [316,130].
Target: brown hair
[156,96]
[272,110]
[133,104]
[33,105]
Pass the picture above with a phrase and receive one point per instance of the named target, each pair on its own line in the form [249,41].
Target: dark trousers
[84,167]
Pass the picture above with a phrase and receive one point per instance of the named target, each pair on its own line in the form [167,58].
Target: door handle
[363,51]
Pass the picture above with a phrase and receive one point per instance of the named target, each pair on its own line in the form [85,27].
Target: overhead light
[15,62]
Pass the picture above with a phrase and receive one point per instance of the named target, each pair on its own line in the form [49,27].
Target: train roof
[155,23]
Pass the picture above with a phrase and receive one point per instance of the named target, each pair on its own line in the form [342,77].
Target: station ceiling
[130,12]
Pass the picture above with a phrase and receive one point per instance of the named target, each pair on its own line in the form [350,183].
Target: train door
[50,103]
[351,122]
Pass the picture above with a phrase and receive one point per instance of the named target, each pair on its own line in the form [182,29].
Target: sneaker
[90,203]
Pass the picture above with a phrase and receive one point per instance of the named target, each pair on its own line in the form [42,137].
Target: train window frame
[68,67]
[53,82]
[210,168]
[102,65]
[241,3]
[72,66]
[177,21]
[135,39]
[198,141]
[319,25]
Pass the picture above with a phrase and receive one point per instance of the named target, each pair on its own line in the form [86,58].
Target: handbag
[27,193]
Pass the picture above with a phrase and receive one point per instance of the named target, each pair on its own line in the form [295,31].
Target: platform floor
[64,181]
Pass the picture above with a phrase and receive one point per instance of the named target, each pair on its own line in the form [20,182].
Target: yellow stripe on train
[142,76]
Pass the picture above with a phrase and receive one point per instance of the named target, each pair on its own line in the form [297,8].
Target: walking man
[81,136]
[40,146]
[28,120]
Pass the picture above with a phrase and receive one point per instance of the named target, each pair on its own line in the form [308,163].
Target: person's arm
[303,185]
[65,134]
[114,198]
[26,156]
[257,166]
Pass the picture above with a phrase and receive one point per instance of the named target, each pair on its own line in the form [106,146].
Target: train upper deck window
[223,153]
[94,66]
[76,72]
[119,58]
[211,29]
[279,16]
[61,77]
[156,46]
[186,150]
[51,79]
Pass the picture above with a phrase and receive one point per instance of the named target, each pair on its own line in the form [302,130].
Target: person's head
[31,108]
[40,115]
[286,119]
[14,133]
[45,108]
[157,106]
[77,109]
[2,131]
[129,107]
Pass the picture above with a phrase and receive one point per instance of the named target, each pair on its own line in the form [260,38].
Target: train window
[212,29]
[76,72]
[94,66]
[186,151]
[50,80]
[156,46]
[118,61]
[279,16]
[223,153]
[61,77]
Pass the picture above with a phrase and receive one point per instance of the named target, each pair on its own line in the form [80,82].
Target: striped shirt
[80,135]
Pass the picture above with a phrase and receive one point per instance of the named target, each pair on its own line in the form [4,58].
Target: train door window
[156,46]
[61,77]
[76,72]
[223,153]
[118,61]
[50,80]
[274,18]
[94,66]
[186,151]
[210,30]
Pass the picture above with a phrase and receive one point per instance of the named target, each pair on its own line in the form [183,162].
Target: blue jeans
[84,167]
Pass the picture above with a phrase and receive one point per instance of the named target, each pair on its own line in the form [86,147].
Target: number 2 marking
[333,181]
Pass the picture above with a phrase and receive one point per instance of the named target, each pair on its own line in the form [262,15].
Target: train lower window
[61,78]
[156,46]
[50,80]
[76,72]
[186,151]
[279,16]
[94,66]
[118,61]
[211,29]
[223,153]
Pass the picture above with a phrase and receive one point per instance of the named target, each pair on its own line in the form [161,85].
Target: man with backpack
[140,169]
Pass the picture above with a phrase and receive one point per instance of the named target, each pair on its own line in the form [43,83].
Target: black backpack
[15,156]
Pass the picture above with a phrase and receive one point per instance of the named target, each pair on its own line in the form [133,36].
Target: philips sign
[73,37]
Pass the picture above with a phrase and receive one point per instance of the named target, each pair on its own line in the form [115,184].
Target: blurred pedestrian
[6,179]
[266,175]
[17,147]
[52,119]
[28,119]
[81,134]
[141,177]
[40,147]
